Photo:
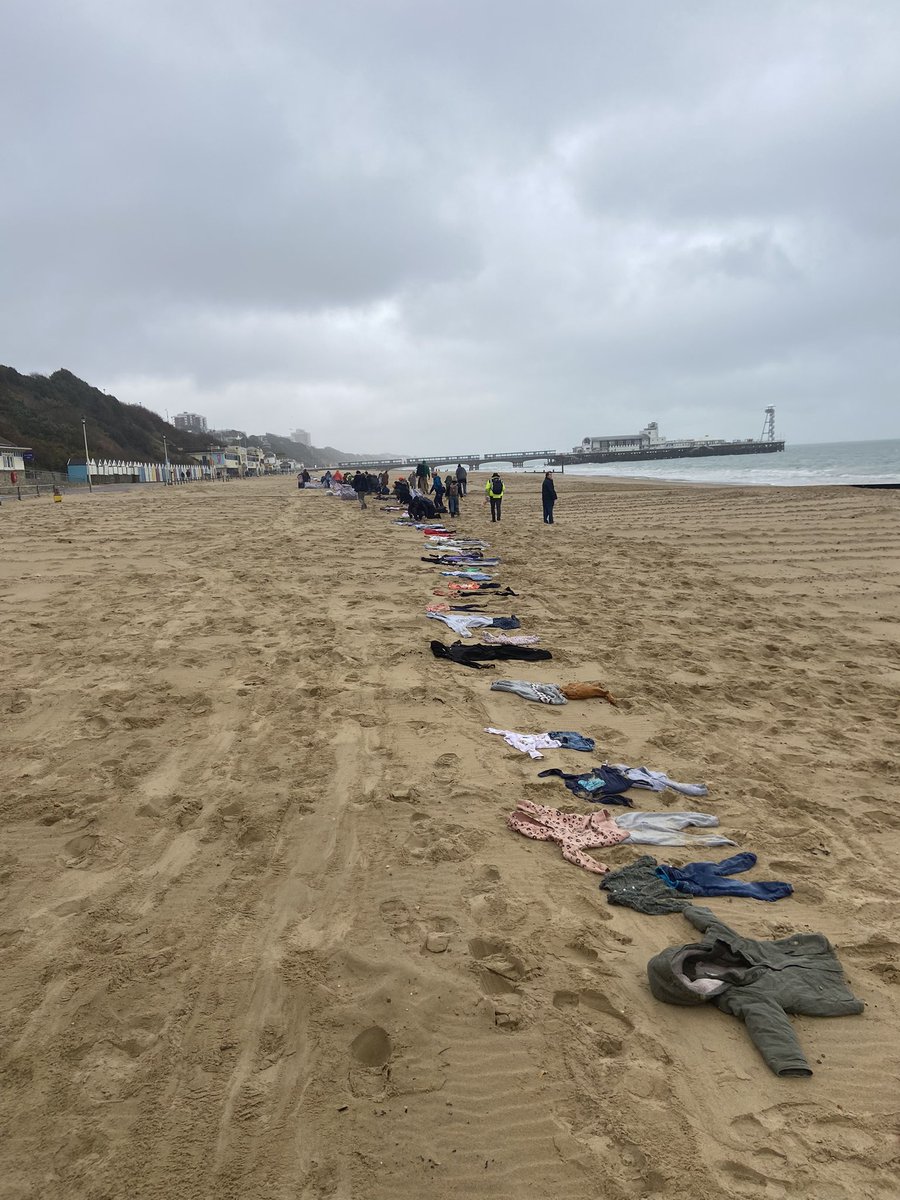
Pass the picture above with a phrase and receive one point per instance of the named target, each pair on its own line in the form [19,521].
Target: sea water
[795,466]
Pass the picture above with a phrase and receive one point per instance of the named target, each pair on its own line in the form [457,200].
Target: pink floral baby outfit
[575,833]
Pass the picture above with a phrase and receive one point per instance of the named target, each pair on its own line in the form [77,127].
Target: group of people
[423,483]
[426,493]
[364,483]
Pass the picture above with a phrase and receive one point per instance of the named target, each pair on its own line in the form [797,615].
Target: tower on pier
[768,433]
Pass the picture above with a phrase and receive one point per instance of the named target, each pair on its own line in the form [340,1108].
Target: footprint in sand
[500,971]
[446,768]
[372,1047]
[486,901]
[370,1070]
[436,842]
[582,952]
[598,1012]
[81,849]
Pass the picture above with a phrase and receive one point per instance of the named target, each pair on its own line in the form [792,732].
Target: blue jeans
[709,879]
[573,741]
[548,511]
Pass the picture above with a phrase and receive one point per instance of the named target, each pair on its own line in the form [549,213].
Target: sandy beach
[240,793]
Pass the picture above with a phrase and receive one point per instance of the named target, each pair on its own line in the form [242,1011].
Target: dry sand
[238,794]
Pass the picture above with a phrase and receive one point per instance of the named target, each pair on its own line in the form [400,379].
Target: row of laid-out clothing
[760,982]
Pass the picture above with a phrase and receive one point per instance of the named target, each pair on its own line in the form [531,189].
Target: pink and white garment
[573,832]
[510,639]
[529,743]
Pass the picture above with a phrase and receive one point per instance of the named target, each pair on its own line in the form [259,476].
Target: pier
[556,458]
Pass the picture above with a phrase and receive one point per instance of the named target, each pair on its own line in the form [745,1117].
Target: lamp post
[87,457]
[166,452]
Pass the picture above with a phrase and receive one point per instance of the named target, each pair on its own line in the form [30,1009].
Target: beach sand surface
[264,930]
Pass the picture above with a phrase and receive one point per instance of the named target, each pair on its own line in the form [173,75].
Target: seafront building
[649,438]
[12,462]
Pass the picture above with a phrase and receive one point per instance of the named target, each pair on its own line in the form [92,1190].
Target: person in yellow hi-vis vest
[494,489]
[57,495]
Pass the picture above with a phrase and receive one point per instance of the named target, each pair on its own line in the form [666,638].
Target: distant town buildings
[234,460]
[302,436]
[191,422]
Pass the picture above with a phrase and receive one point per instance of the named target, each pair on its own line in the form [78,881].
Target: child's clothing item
[540,693]
[711,879]
[587,691]
[658,781]
[574,833]
[463,625]
[569,740]
[759,982]
[603,784]
[510,639]
[663,828]
[529,743]
[476,656]
[639,887]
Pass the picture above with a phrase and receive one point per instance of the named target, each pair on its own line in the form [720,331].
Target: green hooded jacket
[760,982]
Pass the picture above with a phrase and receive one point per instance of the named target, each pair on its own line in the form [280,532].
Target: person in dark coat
[548,496]
[361,487]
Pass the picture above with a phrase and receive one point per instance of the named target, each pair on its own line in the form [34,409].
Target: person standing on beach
[548,496]
[494,490]
[437,490]
[423,474]
[452,496]
[462,478]
[361,486]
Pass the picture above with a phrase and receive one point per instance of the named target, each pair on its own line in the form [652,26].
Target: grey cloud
[411,223]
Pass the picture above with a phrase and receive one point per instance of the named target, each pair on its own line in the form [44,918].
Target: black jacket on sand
[474,656]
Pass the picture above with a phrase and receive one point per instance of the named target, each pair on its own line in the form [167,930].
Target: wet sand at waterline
[239,793]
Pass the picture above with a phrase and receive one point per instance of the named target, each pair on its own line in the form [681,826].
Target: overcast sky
[452,225]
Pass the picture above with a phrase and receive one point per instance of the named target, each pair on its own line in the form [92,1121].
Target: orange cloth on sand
[586,691]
